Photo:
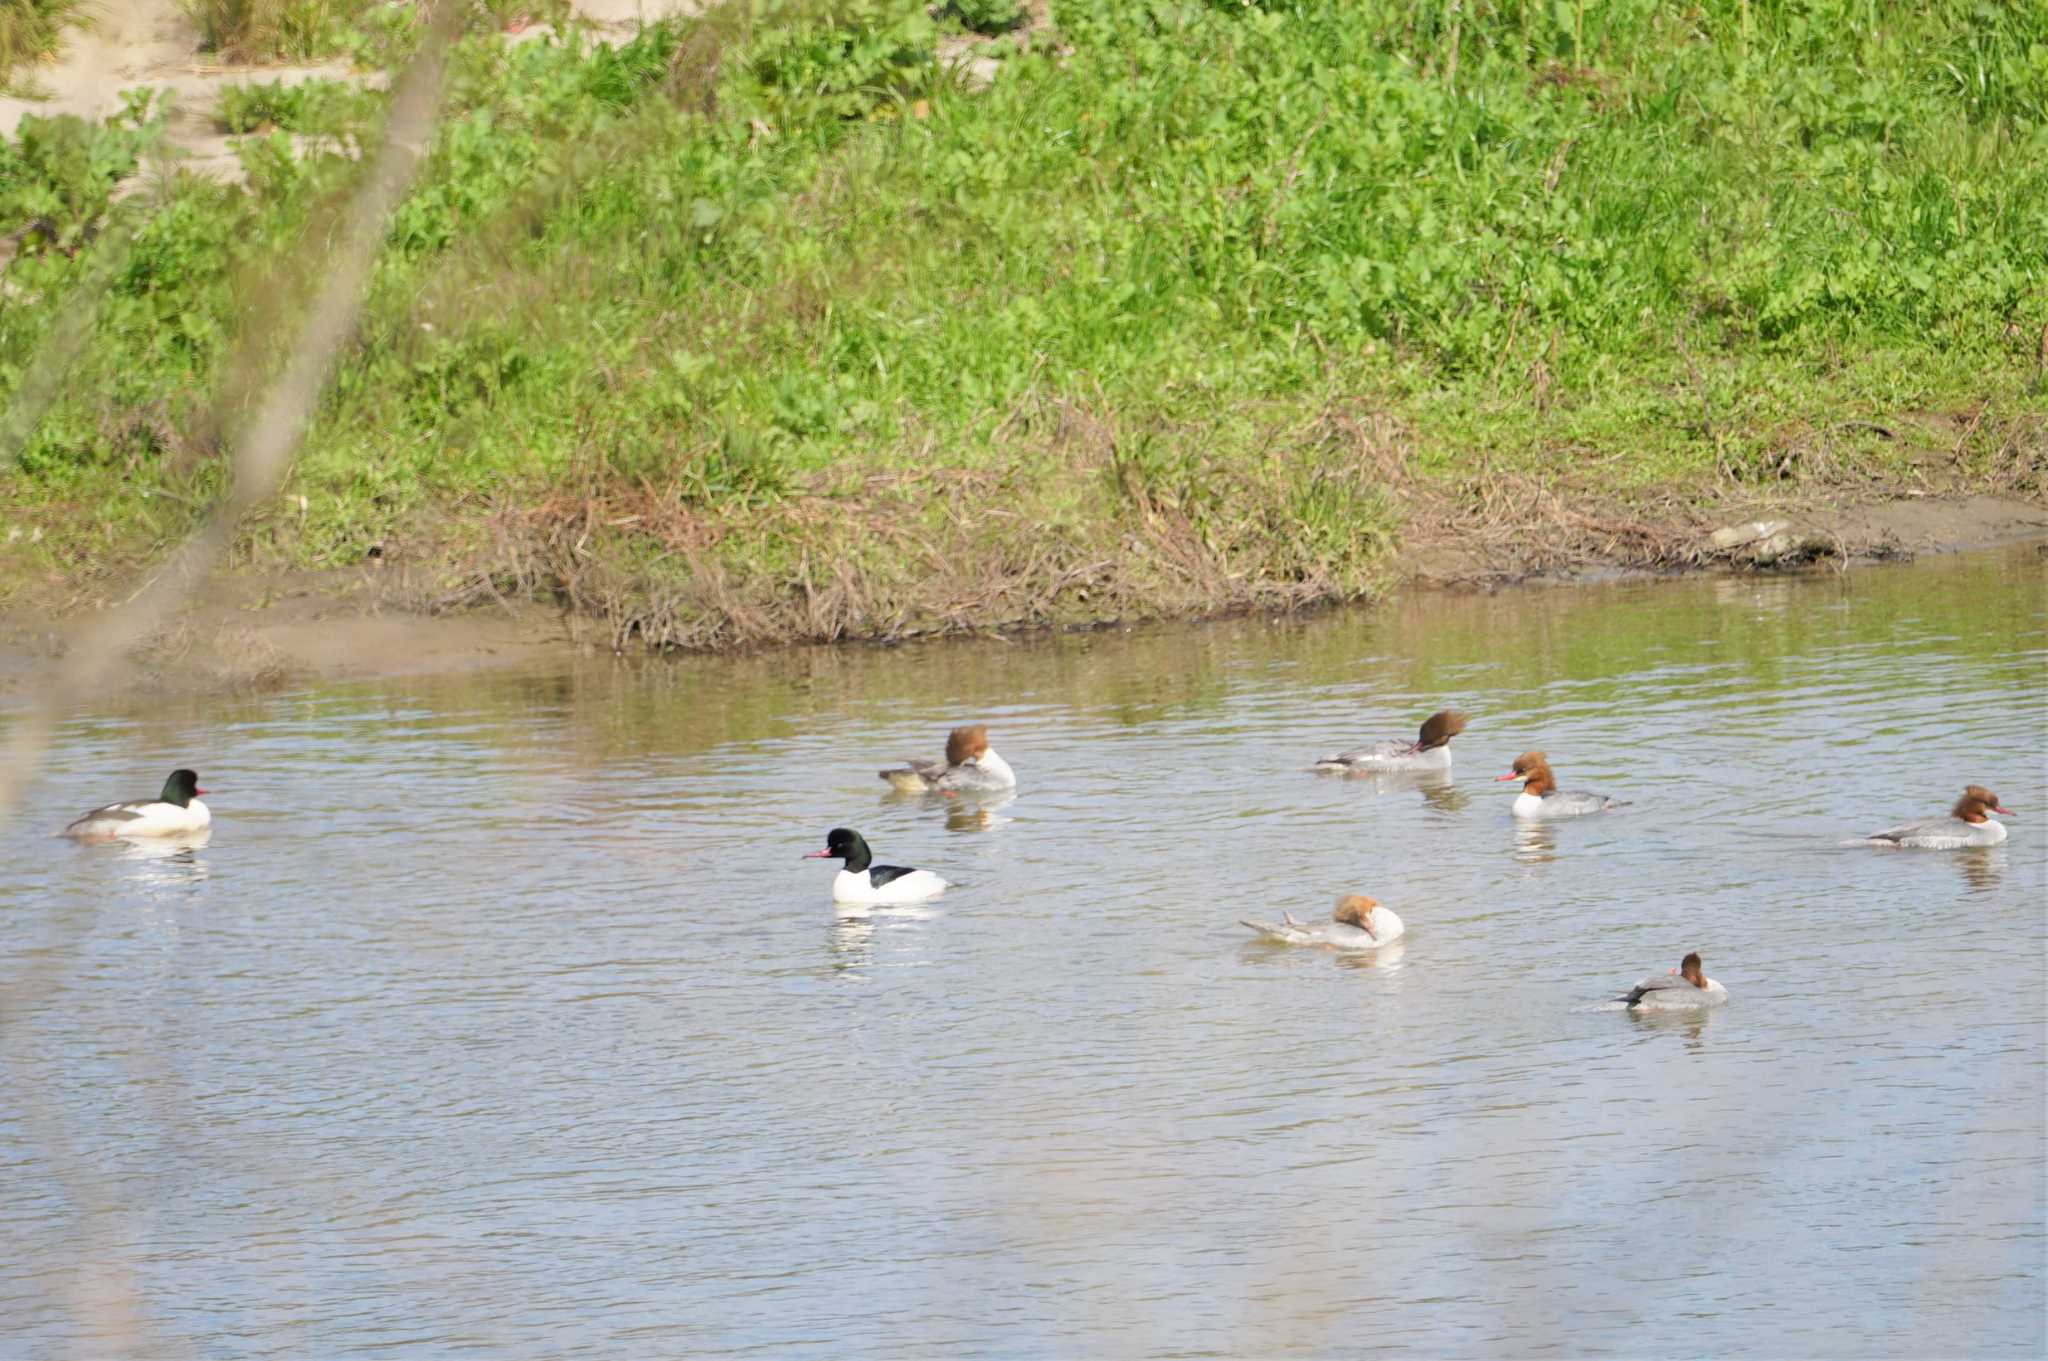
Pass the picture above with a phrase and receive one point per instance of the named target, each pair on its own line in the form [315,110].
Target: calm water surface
[501,1015]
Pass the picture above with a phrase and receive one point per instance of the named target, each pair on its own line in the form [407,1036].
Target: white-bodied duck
[1683,987]
[1431,750]
[1967,824]
[970,767]
[175,812]
[1359,923]
[862,881]
[1540,797]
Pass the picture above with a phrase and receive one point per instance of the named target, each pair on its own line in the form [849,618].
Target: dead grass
[1078,529]
[1093,522]
[31,32]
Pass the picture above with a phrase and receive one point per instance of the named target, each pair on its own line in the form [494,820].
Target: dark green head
[843,843]
[181,788]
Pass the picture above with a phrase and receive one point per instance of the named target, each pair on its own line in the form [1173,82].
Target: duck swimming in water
[1967,824]
[970,767]
[1540,797]
[1684,986]
[1359,923]
[175,812]
[863,881]
[1431,750]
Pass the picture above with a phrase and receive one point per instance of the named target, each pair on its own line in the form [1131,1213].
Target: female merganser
[1359,923]
[1967,824]
[1430,751]
[1684,986]
[1540,798]
[176,812]
[969,768]
[863,881]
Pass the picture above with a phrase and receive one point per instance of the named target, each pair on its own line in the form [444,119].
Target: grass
[309,30]
[762,326]
[30,31]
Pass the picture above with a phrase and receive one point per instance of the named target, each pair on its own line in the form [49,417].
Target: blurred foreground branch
[102,1290]
[264,451]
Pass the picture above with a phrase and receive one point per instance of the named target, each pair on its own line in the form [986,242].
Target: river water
[500,1014]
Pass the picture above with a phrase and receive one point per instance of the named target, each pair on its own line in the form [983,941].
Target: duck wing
[879,875]
[1938,833]
[108,816]
[1365,755]
[915,775]
[1662,982]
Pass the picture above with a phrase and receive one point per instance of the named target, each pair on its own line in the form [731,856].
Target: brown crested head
[1354,909]
[1533,769]
[964,743]
[1689,970]
[1440,728]
[1976,802]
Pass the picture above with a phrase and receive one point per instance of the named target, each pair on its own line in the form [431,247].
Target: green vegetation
[291,30]
[29,32]
[764,325]
[307,30]
[315,107]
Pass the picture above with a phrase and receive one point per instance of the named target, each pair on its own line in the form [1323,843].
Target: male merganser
[1359,923]
[1540,797]
[176,812]
[970,767]
[863,881]
[1684,986]
[1430,751]
[1967,824]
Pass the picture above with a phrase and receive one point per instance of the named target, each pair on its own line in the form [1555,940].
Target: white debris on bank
[1762,543]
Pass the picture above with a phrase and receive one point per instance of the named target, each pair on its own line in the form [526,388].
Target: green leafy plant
[58,174]
[838,60]
[320,107]
[988,17]
[258,30]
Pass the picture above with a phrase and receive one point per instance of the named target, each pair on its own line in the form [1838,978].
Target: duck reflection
[1983,868]
[1690,1022]
[1388,956]
[964,812]
[1435,786]
[851,938]
[1444,796]
[167,862]
[975,815]
[1535,842]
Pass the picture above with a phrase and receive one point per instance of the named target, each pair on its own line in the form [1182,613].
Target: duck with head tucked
[1359,923]
[1431,749]
[971,767]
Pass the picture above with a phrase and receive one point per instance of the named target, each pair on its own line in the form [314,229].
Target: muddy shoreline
[259,631]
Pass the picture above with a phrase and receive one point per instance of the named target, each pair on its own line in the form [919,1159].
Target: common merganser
[1359,923]
[1967,824]
[1540,797]
[1684,986]
[863,881]
[1429,751]
[175,812]
[970,767]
